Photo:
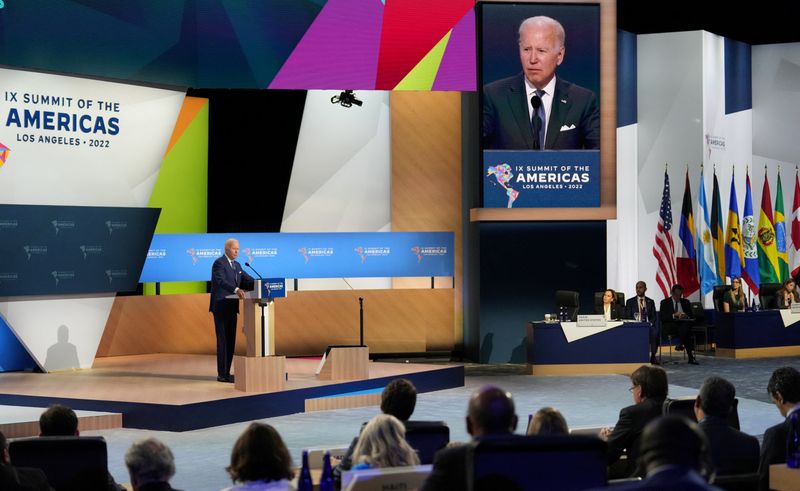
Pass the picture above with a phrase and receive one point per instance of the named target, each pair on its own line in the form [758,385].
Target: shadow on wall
[486,347]
[518,353]
[62,355]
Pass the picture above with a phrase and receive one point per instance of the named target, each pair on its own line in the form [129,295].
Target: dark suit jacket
[628,432]
[667,309]
[773,450]
[677,478]
[507,123]
[22,479]
[449,471]
[616,310]
[732,451]
[632,306]
[224,281]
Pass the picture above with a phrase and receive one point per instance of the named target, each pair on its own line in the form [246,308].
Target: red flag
[794,265]
[664,248]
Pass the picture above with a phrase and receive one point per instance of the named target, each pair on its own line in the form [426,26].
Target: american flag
[664,248]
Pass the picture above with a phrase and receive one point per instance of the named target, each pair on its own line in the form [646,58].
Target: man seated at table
[643,309]
[675,314]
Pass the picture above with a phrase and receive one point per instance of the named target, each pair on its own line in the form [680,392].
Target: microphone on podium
[269,293]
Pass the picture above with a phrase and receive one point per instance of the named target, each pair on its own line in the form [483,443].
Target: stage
[179,392]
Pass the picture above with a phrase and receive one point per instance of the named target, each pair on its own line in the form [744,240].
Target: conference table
[762,334]
[556,348]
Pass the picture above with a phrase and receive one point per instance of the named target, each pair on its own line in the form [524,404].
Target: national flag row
[753,248]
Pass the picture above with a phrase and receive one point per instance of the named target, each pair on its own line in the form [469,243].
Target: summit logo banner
[541,179]
[365,252]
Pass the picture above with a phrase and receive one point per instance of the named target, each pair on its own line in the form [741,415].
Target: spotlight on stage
[347,98]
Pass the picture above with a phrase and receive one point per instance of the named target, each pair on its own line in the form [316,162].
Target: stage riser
[165,417]
[24,429]
[344,402]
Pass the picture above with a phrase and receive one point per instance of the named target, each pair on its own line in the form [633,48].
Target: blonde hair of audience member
[382,443]
[260,455]
[548,421]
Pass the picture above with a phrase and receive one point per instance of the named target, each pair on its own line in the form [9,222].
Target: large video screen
[539,72]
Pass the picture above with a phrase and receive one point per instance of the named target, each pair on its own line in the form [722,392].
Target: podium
[346,363]
[260,370]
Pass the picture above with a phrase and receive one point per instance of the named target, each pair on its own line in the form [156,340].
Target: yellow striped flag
[767,252]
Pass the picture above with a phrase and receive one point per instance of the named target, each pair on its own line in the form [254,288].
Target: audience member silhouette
[382,443]
[59,420]
[548,421]
[675,456]
[784,390]
[14,478]
[649,389]
[490,412]
[260,460]
[150,465]
[732,451]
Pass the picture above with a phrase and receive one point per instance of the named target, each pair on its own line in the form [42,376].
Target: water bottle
[793,443]
[326,481]
[304,483]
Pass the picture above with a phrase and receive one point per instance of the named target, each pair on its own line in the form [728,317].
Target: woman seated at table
[787,295]
[734,299]
[610,309]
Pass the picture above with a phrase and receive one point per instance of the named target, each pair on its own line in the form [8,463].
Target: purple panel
[339,50]
[457,70]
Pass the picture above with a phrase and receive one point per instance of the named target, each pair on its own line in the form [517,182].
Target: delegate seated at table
[610,309]
[675,318]
[786,296]
[734,299]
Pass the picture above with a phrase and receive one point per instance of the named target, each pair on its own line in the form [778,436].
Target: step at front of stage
[23,421]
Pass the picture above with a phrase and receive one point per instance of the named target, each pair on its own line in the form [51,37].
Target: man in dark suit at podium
[227,278]
[675,317]
[645,307]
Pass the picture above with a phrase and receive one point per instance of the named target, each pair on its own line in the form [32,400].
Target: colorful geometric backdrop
[285,44]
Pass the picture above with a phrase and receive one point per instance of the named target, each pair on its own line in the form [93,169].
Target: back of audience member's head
[259,454]
[382,443]
[58,420]
[3,449]
[716,396]
[651,380]
[674,440]
[784,385]
[548,421]
[149,461]
[399,398]
[491,411]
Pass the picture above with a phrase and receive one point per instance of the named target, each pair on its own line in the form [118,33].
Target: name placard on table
[591,320]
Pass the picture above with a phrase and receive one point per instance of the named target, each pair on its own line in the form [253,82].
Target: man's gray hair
[150,461]
[542,21]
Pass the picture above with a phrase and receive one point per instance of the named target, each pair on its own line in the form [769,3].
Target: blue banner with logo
[55,250]
[541,178]
[188,257]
